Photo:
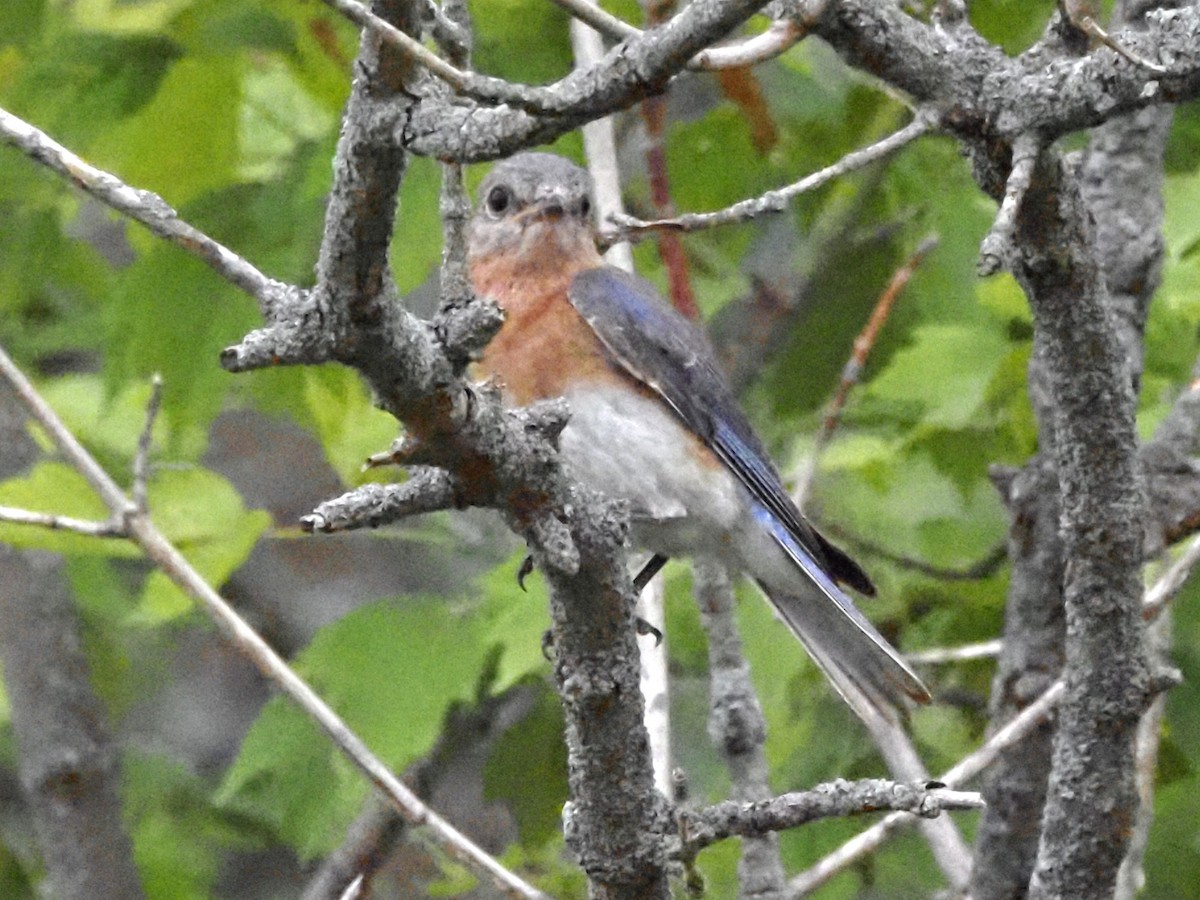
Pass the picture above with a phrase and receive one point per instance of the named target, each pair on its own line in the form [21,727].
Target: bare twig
[141,460]
[564,98]
[837,798]
[738,729]
[1162,591]
[1089,26]
[852,371]
[113,528]
[248,642]
[997,243]
[939,655]
[776,201]
[1169,583]
[670,248]
[142,206]
[874,837]
[600,145]
[603,22]
[781,36]
[362,16]
[1131,878]
[426,490]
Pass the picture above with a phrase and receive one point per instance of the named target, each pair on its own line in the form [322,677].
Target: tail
[864,668]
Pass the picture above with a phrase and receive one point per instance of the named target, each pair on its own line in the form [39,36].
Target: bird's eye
[498,200]
[585,208]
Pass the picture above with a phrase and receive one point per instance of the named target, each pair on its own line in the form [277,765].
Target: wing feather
[666,352]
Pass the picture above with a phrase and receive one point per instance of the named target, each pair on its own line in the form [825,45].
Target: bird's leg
[652,567]
[524,571]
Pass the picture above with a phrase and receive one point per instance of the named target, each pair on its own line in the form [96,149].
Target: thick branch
[1091,797]
[637,68]
[838,798]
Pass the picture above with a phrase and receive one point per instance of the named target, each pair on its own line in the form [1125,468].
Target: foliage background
[229,110]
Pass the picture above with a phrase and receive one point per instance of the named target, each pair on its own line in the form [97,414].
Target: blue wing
[665,351]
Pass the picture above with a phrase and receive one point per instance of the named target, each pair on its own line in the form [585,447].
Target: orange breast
[544,346]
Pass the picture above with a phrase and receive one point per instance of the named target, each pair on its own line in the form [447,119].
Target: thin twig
[1092,29]
[997,243]
[852,371]
[362,16]
[777,200]
[248,642]
[939,655]
[1169,583]
[781,36]
[141,460]
[603,22]
[670,248]
[539,100]
[872,838]
[1161,592]
[143,206]
[113,528]
[835,799]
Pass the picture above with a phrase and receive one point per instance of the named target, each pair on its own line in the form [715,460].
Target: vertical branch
[600,147]
[68,762]
[1122,186]
[1091,798]
[737,728]
[615,821]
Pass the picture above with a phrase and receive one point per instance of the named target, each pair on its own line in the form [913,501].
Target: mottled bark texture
[738,729]
[68,763]
[1091,799]
[1121,186]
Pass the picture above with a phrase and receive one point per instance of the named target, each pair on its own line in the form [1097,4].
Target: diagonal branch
[143,532]
[637,68]
[776,201]
[1017,729]
[142,206]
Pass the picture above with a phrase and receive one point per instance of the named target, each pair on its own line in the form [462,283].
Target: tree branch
[142,206]
[777,200]
[251,645]
[837,798]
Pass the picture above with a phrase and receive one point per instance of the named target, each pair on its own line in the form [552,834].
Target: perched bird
[653,420]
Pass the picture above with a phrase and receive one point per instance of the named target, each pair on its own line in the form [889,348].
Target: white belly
[634,448]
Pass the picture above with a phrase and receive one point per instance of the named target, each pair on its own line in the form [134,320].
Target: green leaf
[286,778]
[946,369]
[110,424]
[534,745]
[348,424]
[198,104]
[173,316]
[391,670]
[203,516]
[175,831]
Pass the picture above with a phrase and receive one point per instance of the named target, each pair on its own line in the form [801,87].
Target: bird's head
[531,205]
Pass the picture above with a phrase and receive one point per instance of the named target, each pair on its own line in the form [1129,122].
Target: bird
[654,421]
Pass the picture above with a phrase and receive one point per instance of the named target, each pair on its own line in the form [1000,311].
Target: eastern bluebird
[653,421]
